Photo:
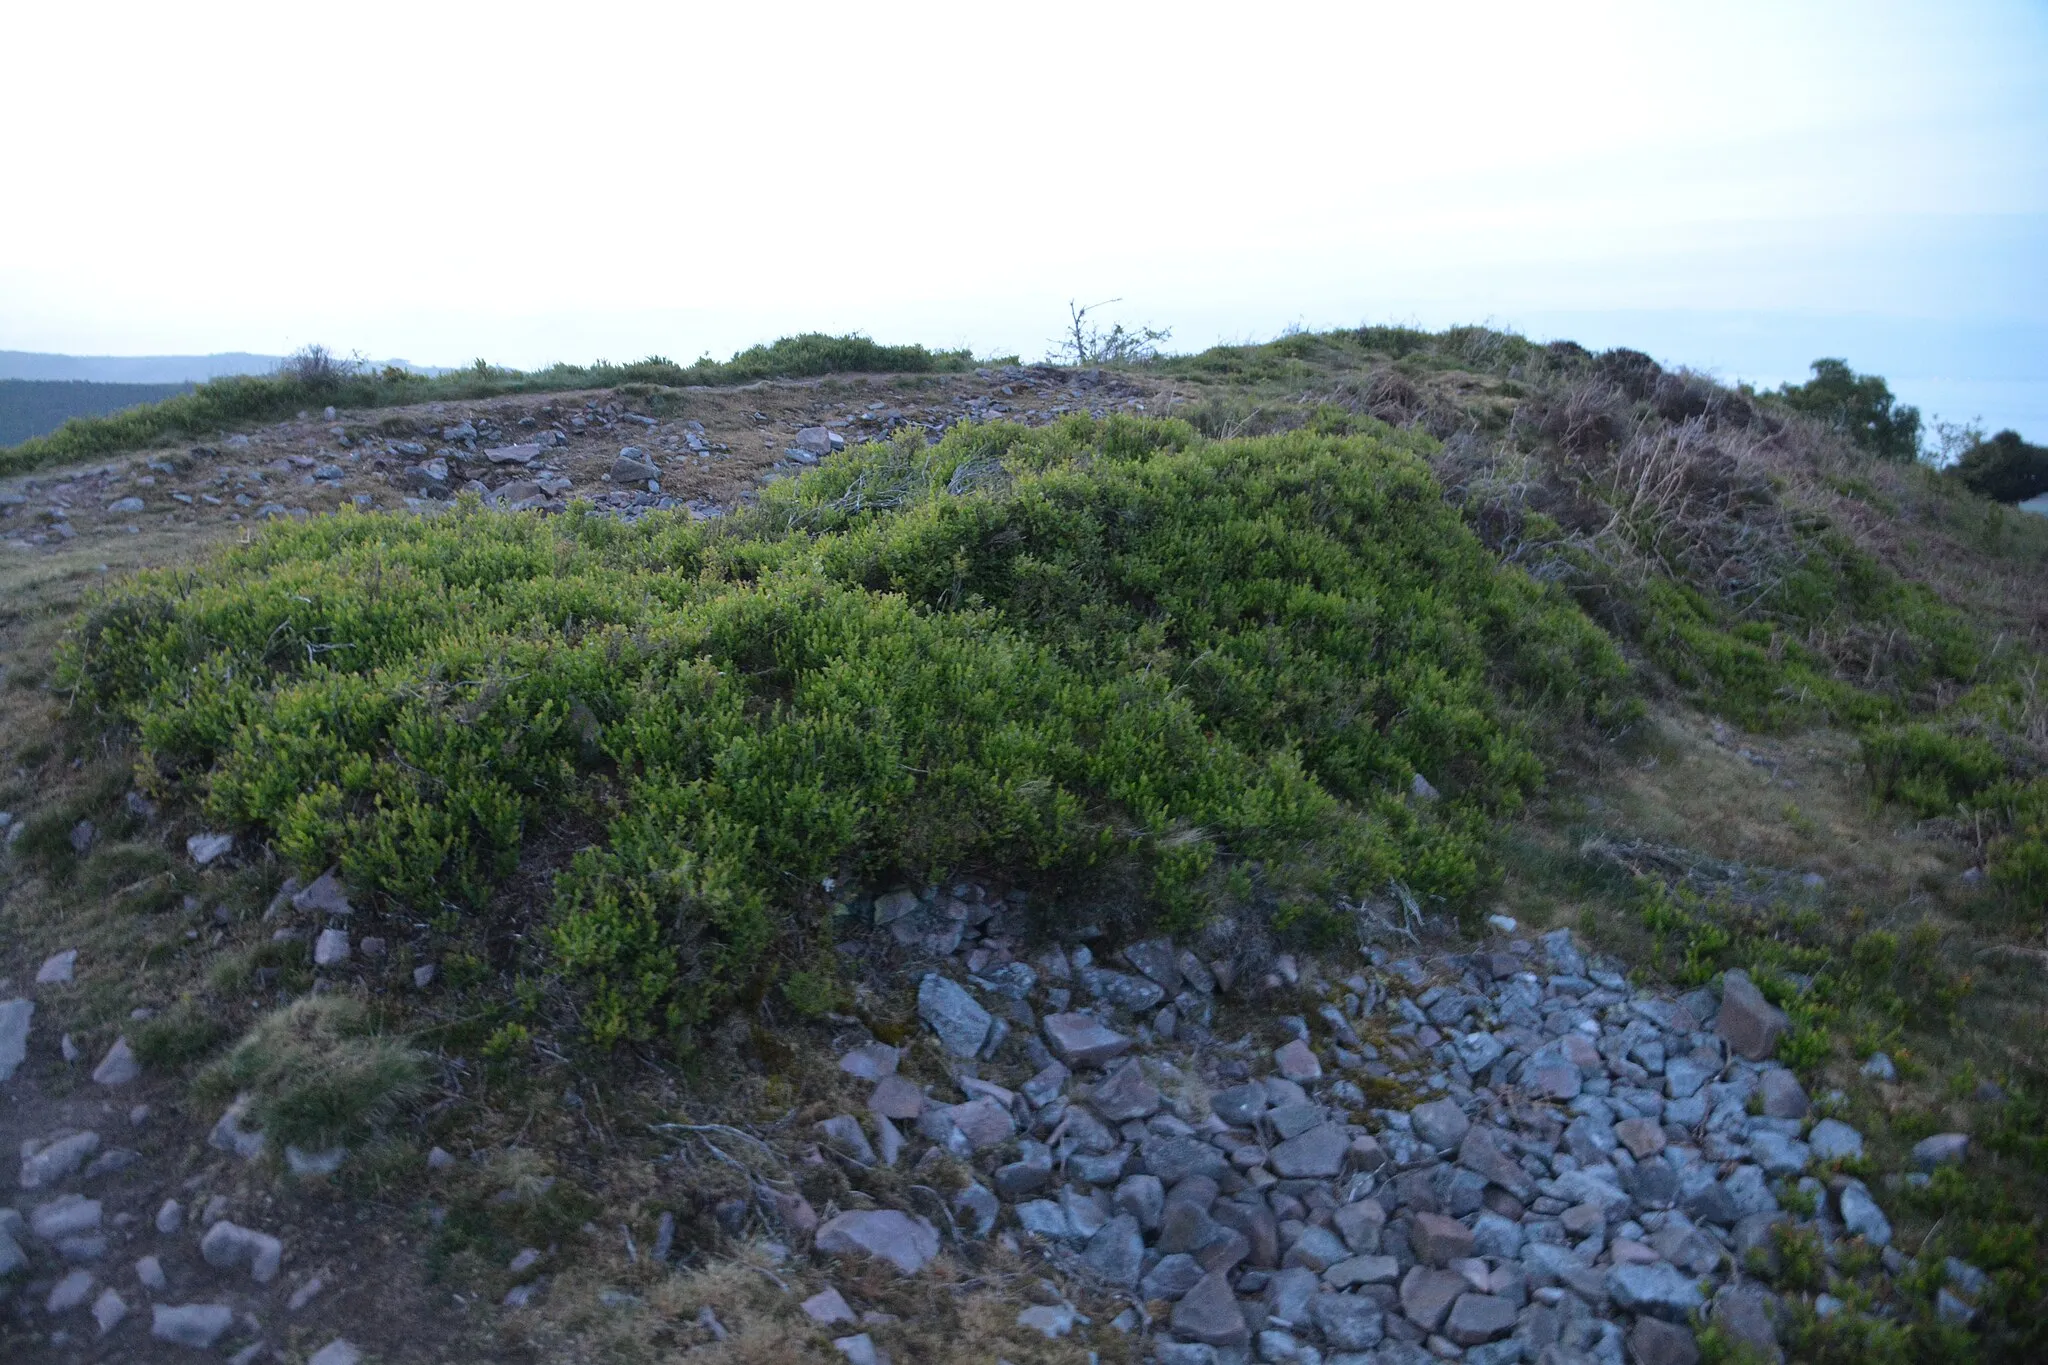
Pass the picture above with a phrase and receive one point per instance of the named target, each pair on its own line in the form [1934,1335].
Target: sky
[1739,187]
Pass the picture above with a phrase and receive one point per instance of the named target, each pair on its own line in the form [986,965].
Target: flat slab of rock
[953,1014]
[828,1306]
[56,969]
[1658,1290]
[1125,1095]
[1297,1061]
[1479,1318]
[1083,1040]
[906,1242]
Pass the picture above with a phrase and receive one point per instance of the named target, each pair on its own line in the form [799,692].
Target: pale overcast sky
[1738,186]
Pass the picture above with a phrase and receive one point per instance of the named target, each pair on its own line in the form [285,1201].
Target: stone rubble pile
[1555,1168]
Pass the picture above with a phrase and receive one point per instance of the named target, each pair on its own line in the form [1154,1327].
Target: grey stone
[1173,1277]
[1317,1154]
[1349,1322]
[1751,1024]
[1297,1061]
[68,1215]
[1357,1270]
[227,1246]
[1479,1152]
[1032,1172]
[303,1163]
[1209,1313]
[118,1067]
[1440,1123]
[1833,1140]
[1778,1154]
[1683,1078]
[976,1206]
[1050,1320]
[150,1272]
[1655,1342]
[14,1021]
[198,1325]
[954,1015]
[1427,1295]
[228,1135]
[1173,1159]
[1880,1068]
[341,1352]
[56,1160]
[1116,1254]
[207,848]
[1783,1096]
[108,1310]
[69,1292]
[1083,1040]
[1943,1149]
[170,1216]
[630,468]
[1240,1105]
[12,1257]
[1495,1235]
[870,1061]
[897,1097]
[983,1122]
[1439,1240]
[1479,1318]
[57,969]
[326,896]
[1143,1197]
[331,948]
[1658,1290]
[1861,1215]
[828,1306]
[1361,1223]
[1045,1087]
[1478,1051]
[1125,1094]
[906,1242]
[1743,1312]
[1316,1249]
[843,1134]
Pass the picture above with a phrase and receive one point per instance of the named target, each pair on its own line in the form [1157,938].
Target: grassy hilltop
[1444,622]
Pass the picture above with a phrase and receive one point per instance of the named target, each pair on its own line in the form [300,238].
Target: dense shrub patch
[1156,676]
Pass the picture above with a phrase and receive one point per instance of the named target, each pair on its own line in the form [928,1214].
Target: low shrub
[1160,678]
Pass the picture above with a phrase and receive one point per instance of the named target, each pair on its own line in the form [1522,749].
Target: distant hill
[154,369]
[36,407]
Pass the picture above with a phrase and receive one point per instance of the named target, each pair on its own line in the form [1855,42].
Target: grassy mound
[317,1073]
[313,380]
[1156,676]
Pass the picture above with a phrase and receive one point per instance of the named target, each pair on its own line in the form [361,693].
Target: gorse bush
[1157,677]
[315,378]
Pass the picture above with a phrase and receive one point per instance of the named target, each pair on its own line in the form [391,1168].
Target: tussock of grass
[223,404]
[1158,677]
[318,1073]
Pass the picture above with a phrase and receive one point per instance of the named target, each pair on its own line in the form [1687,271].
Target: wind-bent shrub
[1156,676]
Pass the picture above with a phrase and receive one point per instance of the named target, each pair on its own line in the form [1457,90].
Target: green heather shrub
[1158,677]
